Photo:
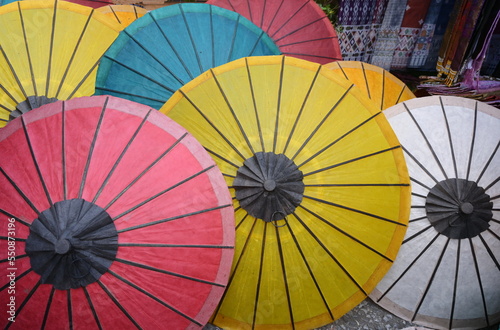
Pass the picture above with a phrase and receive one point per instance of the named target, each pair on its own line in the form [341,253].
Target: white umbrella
[447,272]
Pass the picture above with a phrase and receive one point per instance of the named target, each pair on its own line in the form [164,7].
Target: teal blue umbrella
[163,50]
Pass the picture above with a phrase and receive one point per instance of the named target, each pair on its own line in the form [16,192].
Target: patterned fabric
[388,35]
[439,31]
[410,29]
[376,23]
[355,18]
[425,37]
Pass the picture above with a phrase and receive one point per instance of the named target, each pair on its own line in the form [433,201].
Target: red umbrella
[299,28]
[116,216]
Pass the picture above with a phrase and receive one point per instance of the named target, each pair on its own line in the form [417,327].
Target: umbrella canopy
[380,85]
[170,46]
[300,28]
[320,213]
[123,14]
[119,219]
[49,50]
[446,274]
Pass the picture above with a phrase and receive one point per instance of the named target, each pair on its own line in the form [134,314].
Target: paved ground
[368,316]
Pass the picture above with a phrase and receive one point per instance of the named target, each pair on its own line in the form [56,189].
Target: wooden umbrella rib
[313,55]
[271,22]
[236,263]
[473,140]
[455,285]
[243,219]
[344,270]
[92,145]
[70,62]
[20,256]
[478,274]
[30,63]
[17,278]
[20,192]
[18,220]
[259,276]
[51,48]
[383,91]
[345,233]
[47,308]
[311,273]
[194,246]
[338,139]
[285,280]
[287,21]
[418,219]
[278,104]
[8,94]
[376,153]
[25,301]
[165,87]
[233,113]
[164,191]
[92,308]
[166,272]
[449,137]
[406,240]
[252,91]
[166,152]
[299,28]
[212,125]
[35,162]
[182,216]
[420,183]
[191,76]
[424,168]
[408,267]
[427,142]
[486,167]
[70,312]
[366,80]
[116,15]
[249,10]
[167,68]
[299,115]
[117,303]
[426,291]
[186,24]
[153,297]
[233,39]
[8,238]
[216,155]
[129,94]
[337,103]
[122,154]
[21,87]
[256,43]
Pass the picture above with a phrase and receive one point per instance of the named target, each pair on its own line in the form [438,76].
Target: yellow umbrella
[319,183]
[49,50]
[381,86]
[123,14]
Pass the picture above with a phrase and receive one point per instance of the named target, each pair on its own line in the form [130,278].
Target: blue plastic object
[168,47]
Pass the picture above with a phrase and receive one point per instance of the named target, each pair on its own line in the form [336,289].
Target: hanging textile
[355,17]
[409,31]
[387,36]
[465,38]
[376,23]
[424,40]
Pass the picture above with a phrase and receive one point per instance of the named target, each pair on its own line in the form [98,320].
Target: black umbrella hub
[459,208]
[72,244]
[269,186]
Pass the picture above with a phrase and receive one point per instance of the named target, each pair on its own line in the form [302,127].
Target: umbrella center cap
[459,208]
[72,244]
[32,102]
[62,246]
[467,208]
[269,186]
